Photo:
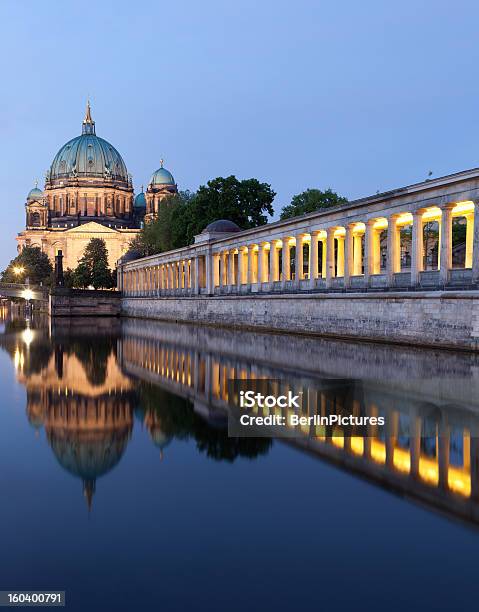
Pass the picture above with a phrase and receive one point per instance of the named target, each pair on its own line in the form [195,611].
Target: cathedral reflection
[86,404]
[78,395]
[87,383]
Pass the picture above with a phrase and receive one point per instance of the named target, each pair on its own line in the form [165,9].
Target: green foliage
[185,215]
[167,231]
[243,202]
[92,269]
[311,200]
[35,264]
[178,420]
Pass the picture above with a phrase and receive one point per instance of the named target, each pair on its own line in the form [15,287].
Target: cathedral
[89,194]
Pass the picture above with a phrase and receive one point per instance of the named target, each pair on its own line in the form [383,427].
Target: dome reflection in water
[134,414]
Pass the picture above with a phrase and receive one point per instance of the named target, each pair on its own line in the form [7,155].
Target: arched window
[35,219]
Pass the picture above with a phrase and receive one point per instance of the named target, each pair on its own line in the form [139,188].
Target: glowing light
[404,219]
[459,481]
[18,270]
[357,445]
[27,294]
[429,471]
[338,438]
[378,451]
[381,224]
[359,228]
[18,359]
[28,336]
[432,214]
[402,460]
[463,208]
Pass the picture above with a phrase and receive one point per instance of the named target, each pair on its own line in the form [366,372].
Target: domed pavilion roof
[223,226]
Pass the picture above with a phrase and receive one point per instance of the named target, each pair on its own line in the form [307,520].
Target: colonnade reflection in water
[89,391]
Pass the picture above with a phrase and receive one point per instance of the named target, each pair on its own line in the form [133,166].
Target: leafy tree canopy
[92,269]
[243,202]
[311,200]
[31,263]
[168,230]
[247,203]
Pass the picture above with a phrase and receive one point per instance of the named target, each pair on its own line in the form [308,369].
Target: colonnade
[172,276]
[383,251]
[417,442]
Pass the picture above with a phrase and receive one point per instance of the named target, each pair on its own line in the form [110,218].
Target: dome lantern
[88,125]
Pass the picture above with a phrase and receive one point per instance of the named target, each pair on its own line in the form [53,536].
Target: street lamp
[17,270]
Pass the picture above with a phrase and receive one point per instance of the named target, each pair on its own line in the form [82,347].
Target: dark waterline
[120,485]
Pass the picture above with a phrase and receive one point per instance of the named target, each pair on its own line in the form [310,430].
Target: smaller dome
[223,226]
[35,194]
[130,255]
[162,176]
[140,201]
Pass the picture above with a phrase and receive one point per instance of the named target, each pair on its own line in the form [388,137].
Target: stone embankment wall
[440,319]
[84,303]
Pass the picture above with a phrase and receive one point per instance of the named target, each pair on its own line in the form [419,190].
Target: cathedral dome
[140,201]
[88,155]
[162,176]
[35,194]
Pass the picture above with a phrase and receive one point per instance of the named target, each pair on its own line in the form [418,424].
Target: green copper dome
[35,194]
[162,177]
[140,201]
[88,155]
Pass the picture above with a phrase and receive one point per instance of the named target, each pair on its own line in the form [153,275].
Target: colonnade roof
[384,197]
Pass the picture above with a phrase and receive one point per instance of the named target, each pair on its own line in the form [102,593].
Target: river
[120,486]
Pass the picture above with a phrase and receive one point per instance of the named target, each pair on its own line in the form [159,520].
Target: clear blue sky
[357,96]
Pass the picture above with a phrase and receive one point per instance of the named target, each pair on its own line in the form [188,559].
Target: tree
[92,269]
[243,202]
[31,263]
[167,231]
[181,217]
[311,200]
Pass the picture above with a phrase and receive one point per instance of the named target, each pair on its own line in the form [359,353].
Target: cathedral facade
[89,194]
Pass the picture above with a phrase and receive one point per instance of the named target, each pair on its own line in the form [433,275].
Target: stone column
[443,453]
[348,255]
[446,242]
[469,239]
[313,258]
[357,254]
[260,262]
[330,271]
[274,261]
[369,251]
[252,274]
[286,271]
[239,276]
[196,275]
[224,268]
[209,272]
[340,252]
[231,267]
[187,273]
[298,264]
[393,249]
[475,245]
[216,271]
[417,248]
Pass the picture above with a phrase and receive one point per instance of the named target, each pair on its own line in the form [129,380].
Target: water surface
[119,483]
